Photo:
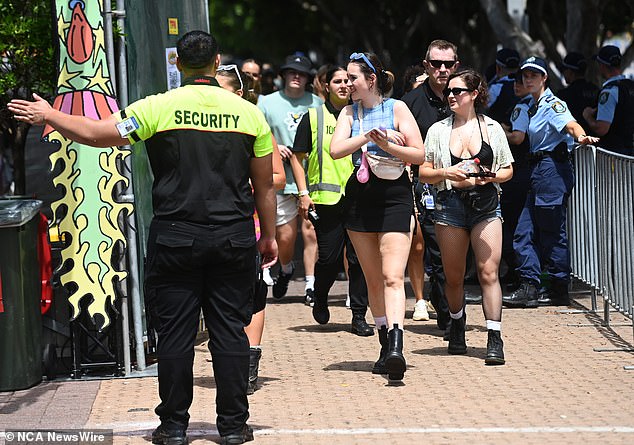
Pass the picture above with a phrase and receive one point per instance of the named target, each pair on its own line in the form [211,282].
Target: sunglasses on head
[455,91]
[230,68]
[361,56]
[438,63]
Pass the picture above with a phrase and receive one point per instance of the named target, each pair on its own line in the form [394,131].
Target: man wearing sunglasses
[428,107]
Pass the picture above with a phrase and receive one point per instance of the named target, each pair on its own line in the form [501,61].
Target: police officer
[428,106]
[540,237]
[613,118]
[324,199]
[204,144]
[501,96]
[580,92]
[514,190]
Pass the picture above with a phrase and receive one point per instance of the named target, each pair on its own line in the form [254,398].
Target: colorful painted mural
[88,216]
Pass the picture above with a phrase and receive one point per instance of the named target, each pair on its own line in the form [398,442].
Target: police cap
[609,55]
[507,58]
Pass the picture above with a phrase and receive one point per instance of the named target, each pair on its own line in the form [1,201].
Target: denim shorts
[453,210]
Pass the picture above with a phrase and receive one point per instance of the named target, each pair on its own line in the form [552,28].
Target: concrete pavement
[316,385]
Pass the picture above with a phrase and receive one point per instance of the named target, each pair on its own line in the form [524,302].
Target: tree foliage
[27,65]
[400,30]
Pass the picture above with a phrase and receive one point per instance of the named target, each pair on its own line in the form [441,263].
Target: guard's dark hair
[474,81]
[385,79]
[197,49]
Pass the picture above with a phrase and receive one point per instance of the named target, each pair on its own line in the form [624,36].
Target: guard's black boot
[394,360]
[243,436]
[526,296]
[254,367]
[379,366]
[472,298]
[166,436]
[457,342]
[321,313]
[360,327]
[555,295]
[495,349]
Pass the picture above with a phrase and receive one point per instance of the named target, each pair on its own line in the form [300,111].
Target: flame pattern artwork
[87,215]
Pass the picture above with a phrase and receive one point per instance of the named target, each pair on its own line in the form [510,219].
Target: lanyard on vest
[320,142]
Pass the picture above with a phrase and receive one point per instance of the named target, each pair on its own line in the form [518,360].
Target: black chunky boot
[254,367]
[394,360]
[457,343]
[495,349]
[379,366]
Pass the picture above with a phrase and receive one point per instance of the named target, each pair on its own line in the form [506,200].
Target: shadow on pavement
[326,328]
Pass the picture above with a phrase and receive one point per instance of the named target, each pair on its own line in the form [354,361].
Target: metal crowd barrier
[601,227]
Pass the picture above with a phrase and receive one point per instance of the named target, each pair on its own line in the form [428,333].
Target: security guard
[613,119]
[501,96]
[324,195]
[204,145]
[580,92]
[540,237]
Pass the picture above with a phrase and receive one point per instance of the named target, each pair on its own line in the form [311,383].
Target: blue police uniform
[608,98]
[540,238]
[616,106]
[514,190]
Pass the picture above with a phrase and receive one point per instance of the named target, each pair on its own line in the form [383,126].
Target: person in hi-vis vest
[324,196]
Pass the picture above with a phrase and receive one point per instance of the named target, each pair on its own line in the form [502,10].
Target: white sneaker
[348,302]
[266,276]
[420,311]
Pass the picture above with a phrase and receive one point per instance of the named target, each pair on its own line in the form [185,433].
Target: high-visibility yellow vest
[327,177]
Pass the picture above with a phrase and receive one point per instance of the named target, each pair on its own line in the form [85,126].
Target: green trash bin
[20,295]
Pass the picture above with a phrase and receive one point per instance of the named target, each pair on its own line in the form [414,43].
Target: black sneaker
[280,287]
[495,349]
[246,435]
[309,298]
[166,436]
[526,296]
[457,342]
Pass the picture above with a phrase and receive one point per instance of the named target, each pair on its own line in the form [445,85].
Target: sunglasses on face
[438,63]
[361,56]
[234,68]
[455,91]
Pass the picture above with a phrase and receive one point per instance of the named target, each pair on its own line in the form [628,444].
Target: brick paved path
[317,387]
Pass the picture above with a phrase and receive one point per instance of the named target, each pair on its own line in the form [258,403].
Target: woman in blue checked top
[540,238]
[379,212]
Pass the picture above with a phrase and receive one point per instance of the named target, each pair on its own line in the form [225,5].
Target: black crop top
[485,155]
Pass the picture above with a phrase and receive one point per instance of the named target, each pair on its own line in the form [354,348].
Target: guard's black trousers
[331,239]
[192,267]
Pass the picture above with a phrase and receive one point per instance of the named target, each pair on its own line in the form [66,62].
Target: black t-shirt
[579,95]
[303,142]
[427,109]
